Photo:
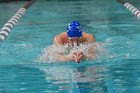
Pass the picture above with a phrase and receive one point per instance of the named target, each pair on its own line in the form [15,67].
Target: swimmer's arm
[91,39]
[57,40]
[90,54]
[64,58]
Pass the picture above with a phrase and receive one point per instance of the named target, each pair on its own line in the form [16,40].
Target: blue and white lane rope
[131,8]
[13,21]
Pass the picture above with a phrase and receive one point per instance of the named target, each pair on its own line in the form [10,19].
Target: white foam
[50,53]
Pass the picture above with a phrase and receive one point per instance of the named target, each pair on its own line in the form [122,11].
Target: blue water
[108,21]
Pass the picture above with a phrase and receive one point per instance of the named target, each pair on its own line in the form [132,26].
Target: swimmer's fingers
[79,58]
[74,55]
[75,59]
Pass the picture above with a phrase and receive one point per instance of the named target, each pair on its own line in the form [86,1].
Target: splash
[98,51]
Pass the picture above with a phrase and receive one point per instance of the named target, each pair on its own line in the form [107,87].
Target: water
[108,21]
[91,51]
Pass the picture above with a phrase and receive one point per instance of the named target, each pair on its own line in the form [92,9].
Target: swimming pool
[107,20]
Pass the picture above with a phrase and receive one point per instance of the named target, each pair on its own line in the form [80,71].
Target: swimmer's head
[74,29]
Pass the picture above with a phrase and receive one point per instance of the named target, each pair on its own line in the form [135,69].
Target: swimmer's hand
[77,56]
[73,56]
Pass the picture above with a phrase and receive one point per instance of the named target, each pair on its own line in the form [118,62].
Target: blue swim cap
[74,29]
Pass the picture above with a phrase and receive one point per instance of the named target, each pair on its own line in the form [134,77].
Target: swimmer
[74,35]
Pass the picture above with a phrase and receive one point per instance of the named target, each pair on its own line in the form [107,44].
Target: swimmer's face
[73,40]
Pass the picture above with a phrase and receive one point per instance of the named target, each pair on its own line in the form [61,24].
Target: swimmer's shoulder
[86,34]
[60,38]
[89,37]
[61,35]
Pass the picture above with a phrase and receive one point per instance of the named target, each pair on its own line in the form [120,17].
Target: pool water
[108,21]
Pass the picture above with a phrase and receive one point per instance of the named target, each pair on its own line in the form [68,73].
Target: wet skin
[77,55]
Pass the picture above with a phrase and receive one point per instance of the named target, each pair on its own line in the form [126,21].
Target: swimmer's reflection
[76,79]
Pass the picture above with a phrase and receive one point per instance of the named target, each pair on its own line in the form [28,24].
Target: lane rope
[6,29]
[131,8]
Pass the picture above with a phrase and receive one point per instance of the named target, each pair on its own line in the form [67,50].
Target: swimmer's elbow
[57,40]
[91,39]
